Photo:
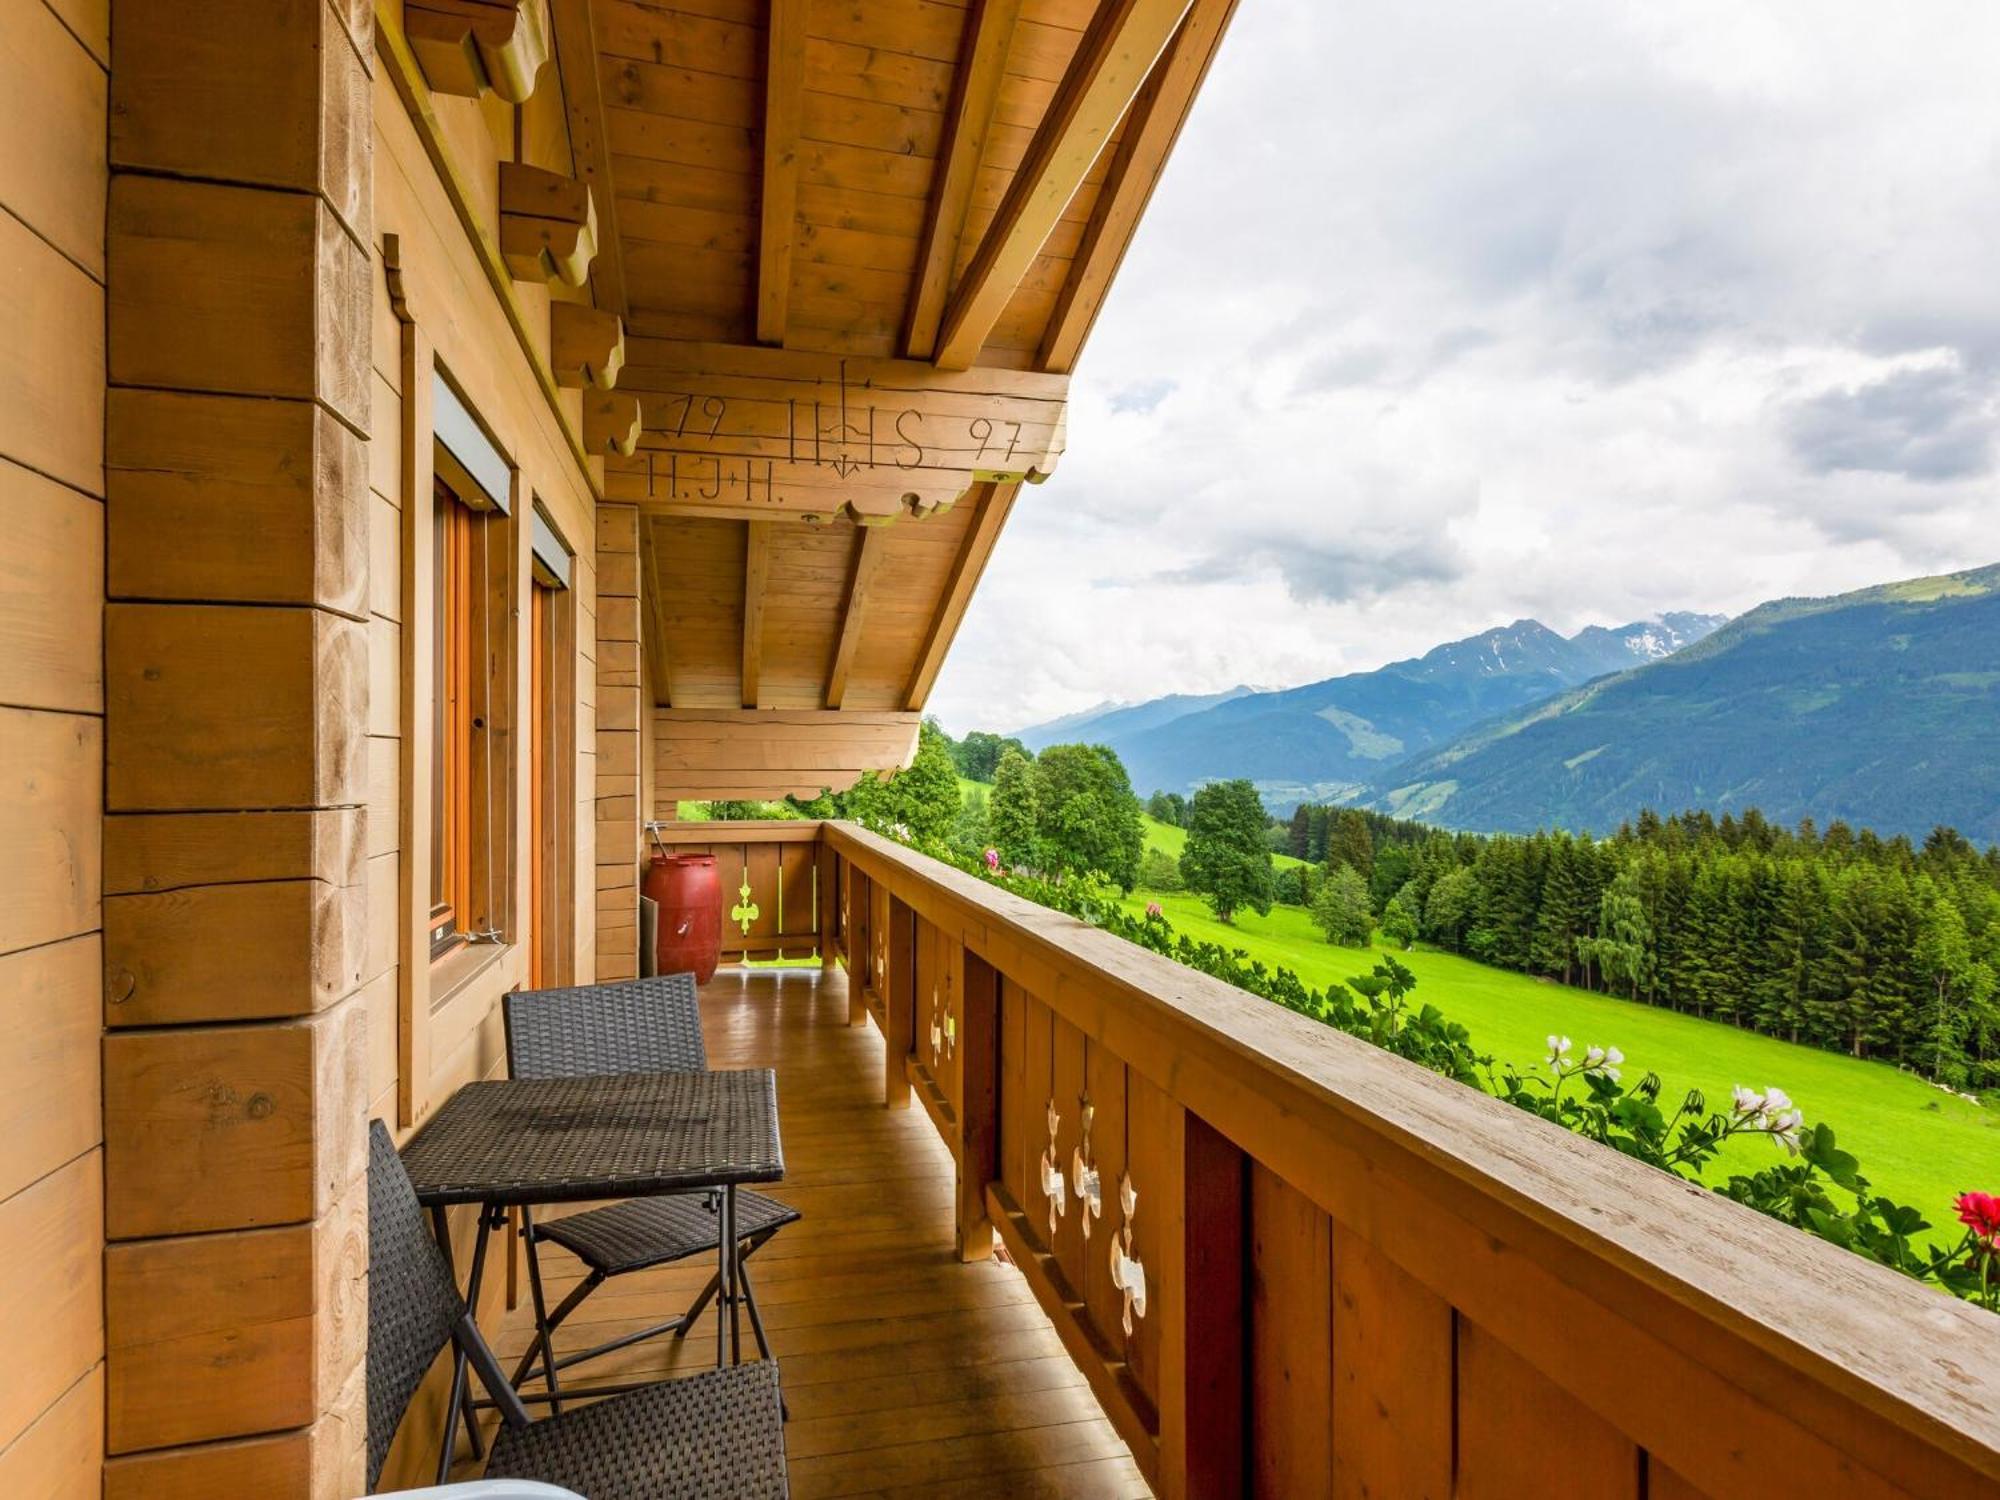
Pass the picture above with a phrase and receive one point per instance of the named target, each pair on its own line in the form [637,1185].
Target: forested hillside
[1880,707]
[1846,940]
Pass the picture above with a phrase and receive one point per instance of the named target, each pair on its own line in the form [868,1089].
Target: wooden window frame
[452,813]
[552,761]
[473,631]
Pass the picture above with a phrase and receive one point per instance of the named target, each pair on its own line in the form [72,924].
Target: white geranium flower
[1558,1052]
[1747,1101]
[1776,1101]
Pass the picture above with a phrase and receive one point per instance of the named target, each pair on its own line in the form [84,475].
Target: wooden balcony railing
[771,883]
[1360,1278]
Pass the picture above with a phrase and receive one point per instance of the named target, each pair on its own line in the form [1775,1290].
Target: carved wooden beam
[737,431]
[586,347]
[548,224]
[468,46]
[611,423]
[1113,62]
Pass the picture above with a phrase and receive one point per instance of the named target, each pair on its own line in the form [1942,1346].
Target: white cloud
[1450,313]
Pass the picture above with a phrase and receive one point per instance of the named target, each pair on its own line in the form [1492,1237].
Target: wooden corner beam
[982,66]
[1112,64]
[784,112]
[756,574]
[994,502]
[1148,140]
[869,545]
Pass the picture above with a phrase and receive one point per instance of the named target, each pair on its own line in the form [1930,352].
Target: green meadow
[1916,1144]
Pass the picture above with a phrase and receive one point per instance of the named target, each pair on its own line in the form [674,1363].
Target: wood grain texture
[51,826]
[51,1096]
[51,594]
[52,1301]
[778,188]
[61,1455]
[1392,1378]
[233,1127]
[224,1335]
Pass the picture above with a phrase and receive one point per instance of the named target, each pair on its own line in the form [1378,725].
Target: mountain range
[1880,707]
[1331,740]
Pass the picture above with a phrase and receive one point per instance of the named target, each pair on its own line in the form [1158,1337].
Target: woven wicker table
[519,1142]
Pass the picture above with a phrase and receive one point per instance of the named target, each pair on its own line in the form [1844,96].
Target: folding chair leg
[542,1325]
[695,1307]
[567,1306]
[750,1247]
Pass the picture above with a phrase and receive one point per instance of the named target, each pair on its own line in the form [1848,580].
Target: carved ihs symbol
[1053,1187]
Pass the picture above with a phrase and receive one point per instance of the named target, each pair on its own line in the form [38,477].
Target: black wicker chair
[718,1433]
[637,1026]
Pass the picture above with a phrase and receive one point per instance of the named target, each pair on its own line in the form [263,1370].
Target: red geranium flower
[1980,1212]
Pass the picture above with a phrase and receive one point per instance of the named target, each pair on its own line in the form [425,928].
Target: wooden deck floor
[907,1372]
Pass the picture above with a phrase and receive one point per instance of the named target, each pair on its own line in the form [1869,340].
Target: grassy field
[1915,1143]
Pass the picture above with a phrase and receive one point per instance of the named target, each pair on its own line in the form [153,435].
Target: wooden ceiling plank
[989,33]
[756,575]
[994,501]
[869,547]
[1148,140]
[784,114]
[1112,64]
[590,147]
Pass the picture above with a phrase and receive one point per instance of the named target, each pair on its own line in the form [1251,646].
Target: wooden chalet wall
[53,61]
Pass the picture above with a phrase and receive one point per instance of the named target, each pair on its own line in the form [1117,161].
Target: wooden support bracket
[548,224]
[468,46]
[586,346]
[611,423]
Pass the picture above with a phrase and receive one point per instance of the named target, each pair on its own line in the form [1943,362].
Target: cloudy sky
[1450,312]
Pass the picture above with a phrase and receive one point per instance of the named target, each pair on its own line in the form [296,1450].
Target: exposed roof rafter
[784,112]
[1111,65]
[994,502]
[590,148]
[869,546]
[1150,132]
[982,66]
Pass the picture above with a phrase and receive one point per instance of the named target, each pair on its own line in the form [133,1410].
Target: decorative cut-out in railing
[745,911]
[1127,1272]
[1053,1186]
[1083,1173]
[734,431]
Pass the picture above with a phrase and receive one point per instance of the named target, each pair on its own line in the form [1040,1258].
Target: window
[451,719]
[474,588]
